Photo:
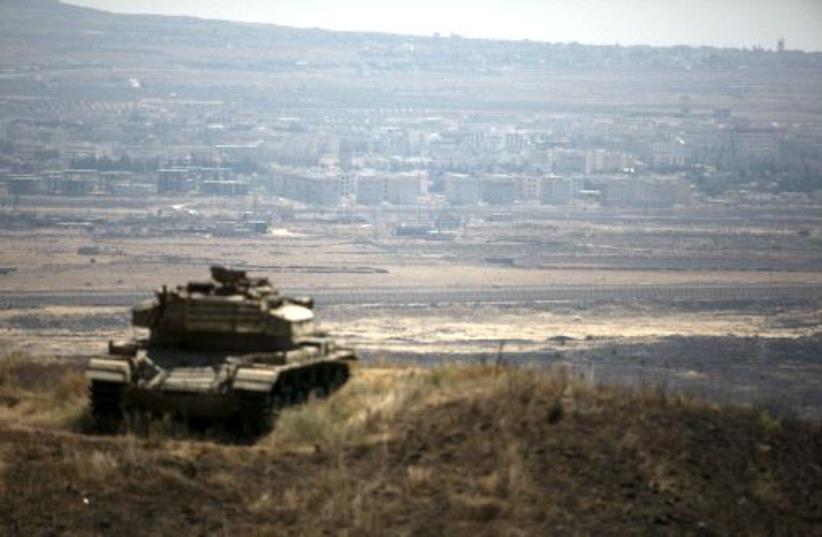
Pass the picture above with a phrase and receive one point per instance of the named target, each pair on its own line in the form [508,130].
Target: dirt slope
[445,451]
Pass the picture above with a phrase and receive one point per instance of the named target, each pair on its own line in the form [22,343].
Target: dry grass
[364,410]
[454,450]
[42,391]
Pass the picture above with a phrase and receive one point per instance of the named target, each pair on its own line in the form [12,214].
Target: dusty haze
[730,23]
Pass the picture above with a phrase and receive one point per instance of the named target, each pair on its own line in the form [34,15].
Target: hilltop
[452,450]
[53,31]
[79,63]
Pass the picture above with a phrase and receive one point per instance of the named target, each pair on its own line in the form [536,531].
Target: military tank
[232,349]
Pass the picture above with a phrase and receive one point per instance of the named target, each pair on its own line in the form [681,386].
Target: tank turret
[232,312]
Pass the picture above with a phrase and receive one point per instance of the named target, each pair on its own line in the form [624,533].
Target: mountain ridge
[65,22]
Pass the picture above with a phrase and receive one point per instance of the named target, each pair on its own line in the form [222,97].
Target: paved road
[573,294]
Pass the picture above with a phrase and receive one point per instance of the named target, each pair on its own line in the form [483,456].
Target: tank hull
[244,390]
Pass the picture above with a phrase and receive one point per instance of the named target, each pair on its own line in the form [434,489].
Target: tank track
[257,411]
[106,404]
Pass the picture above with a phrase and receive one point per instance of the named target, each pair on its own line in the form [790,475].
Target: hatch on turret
[144,314]
[293,313]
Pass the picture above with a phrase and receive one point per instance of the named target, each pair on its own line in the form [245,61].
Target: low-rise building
[370,189]
[77,182]
[498,190]
[462,189]
[396,188]
[174,181]
[225,188]
[526,187]
[23,185]
[313,187]
[651,191]
[669,154]
[403,188]
[602,160]
[555,190]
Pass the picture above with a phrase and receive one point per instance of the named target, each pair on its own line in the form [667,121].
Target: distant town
[402,160]
[434,144]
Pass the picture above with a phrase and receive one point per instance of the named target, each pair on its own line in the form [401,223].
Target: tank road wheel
[339,376]
[277,402]
[301,385]
[107,404]
[256,413]
[322,385]
[320,391]
[138,421]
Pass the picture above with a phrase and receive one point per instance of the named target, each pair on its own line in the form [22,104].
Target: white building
[602,160]
[402,188]
[314,187]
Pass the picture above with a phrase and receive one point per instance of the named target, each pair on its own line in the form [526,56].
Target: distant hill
[50,32]
[58,60]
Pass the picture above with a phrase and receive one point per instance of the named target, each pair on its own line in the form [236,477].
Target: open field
[741,357]
[722,303]
[155,243]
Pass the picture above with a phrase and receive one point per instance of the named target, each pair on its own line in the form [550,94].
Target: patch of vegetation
[41,391]
[453,450]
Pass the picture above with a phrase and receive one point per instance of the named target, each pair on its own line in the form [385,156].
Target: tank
[232,349]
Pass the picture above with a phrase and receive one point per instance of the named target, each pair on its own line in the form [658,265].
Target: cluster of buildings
[612,190]
[329,187]
[370,119]
[404,156]
[119,183]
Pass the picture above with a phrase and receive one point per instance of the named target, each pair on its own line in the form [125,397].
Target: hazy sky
[734,23]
